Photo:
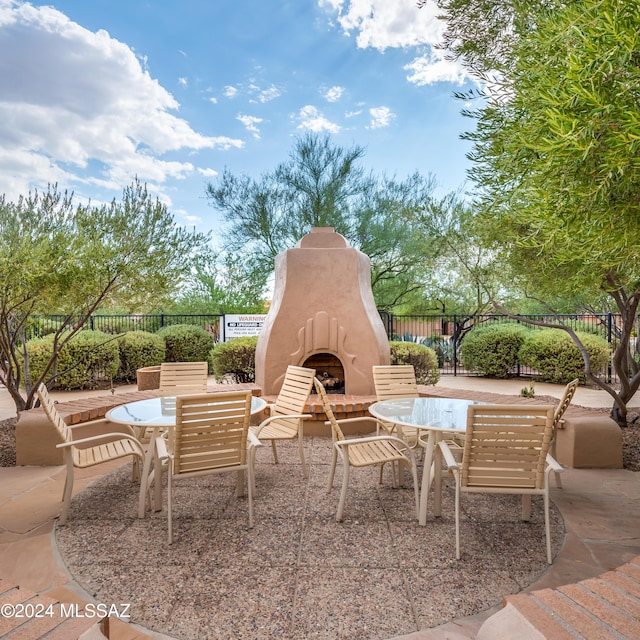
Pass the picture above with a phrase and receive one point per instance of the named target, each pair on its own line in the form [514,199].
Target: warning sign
[241,326]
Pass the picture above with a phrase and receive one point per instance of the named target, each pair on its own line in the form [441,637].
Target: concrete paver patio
[600,509]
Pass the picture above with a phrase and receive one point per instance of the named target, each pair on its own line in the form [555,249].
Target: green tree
[324,185]
[557,164]
[219,283]
[57,256]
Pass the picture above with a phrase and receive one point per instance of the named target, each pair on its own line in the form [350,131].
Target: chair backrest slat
[183,377]
[294,393]
[506,446]
[336,431]
[395,381]
[565,401]
[52,413]
[211,431]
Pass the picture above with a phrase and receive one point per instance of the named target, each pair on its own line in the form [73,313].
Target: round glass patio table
[158,414]
[437,417]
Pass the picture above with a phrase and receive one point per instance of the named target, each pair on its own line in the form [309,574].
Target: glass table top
[446,414]
[158,412]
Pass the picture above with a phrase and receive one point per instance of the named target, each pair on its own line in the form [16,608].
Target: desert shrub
[442,346]
[88,358]
[186,343]
[236,358]
[423,359]
[492,350]
[556,358]
[139,349]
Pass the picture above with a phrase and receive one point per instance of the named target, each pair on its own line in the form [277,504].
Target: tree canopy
[555,154]
[325,185]
[60,257]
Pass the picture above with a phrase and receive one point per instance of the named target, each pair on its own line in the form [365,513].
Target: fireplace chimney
[323,316]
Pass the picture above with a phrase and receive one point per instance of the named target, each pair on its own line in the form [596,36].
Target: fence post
[455,345]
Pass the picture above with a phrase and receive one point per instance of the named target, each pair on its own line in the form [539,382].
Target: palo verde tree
[557,161]
[57,256]
[324,185]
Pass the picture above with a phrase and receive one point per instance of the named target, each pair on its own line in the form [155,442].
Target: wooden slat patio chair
[287,416]
[211,436]
[397,381]
[88,444]
[558,422]
[365,452]
[182,378]
[506,451]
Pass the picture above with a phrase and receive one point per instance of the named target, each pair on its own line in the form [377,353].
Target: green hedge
[492,350]
[556,358]
[139,349]
[423,359]
[186,343]
[236,358]
[90,356]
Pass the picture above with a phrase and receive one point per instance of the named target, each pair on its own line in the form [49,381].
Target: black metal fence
[444,333]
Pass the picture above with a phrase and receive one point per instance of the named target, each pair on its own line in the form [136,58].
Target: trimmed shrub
[236,358]
[139,349]
[556,357]
[88,358]
[492,350]
[423,359]
[186,343]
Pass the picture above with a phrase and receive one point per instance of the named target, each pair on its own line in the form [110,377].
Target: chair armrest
[257,429]
[451,462]
[553,464]
[253,440]
[161,448]
[116,435]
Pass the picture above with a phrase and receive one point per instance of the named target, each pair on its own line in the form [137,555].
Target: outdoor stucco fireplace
[322,316]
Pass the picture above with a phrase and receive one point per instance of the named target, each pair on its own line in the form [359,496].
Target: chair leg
[332,471]
[457,510]
[250,487]
[345,487]
[547,526]
[170,507]
[68,487]
[526,506]
[305,473]
[275,451]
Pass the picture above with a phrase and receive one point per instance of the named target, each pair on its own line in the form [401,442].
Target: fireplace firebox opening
[329,371]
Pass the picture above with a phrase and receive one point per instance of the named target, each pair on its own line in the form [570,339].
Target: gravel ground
[630,440]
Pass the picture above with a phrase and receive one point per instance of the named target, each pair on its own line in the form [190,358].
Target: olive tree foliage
[557,162]
[57,256]
[323,185]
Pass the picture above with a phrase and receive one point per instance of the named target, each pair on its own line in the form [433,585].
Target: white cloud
[380,117]
[312,120]
[333,94]
[183,82]
[432,67]
[230,92]
[208,173]
[382,24]
[352,114]
[72,100]
[250,123]
[269,94]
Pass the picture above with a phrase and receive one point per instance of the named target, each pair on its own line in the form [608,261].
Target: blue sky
[95,92]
